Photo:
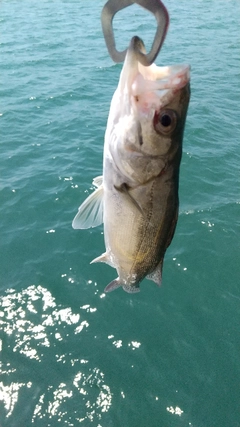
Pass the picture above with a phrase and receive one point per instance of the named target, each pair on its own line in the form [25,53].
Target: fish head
[147,117]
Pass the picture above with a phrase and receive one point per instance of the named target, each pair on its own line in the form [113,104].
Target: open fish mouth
[151,87]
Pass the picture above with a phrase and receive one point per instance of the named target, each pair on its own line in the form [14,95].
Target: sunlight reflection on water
[34,321]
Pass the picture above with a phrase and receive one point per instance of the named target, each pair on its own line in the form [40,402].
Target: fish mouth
[150,87]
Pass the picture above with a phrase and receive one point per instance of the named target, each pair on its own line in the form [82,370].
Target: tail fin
[131,289]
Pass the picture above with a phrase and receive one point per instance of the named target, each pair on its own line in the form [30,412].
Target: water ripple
[32,323]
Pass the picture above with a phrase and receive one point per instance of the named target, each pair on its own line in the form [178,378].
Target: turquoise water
[69,354]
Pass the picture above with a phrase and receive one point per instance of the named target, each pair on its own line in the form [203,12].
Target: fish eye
[165,121]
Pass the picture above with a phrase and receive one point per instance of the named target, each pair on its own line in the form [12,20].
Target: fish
[136,198]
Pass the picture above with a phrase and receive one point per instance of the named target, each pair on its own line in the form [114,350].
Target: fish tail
[131,289]
[115,284]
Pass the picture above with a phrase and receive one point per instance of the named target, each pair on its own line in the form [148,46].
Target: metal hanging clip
[161,14]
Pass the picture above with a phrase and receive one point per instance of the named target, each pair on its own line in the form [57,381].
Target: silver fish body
[138,196]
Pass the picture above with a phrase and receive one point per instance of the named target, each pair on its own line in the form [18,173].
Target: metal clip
[154,6]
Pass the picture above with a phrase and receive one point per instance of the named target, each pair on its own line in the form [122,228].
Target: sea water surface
[70,355]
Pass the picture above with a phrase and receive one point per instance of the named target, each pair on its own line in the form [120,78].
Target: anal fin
[103,258]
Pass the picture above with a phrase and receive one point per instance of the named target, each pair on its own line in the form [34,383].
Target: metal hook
[154,6]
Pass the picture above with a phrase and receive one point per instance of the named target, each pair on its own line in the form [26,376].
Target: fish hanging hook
[161,14]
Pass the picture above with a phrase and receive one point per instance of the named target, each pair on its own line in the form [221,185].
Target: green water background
[69,354]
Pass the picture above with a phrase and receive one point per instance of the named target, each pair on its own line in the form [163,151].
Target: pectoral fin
[90,213]
[98,181]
